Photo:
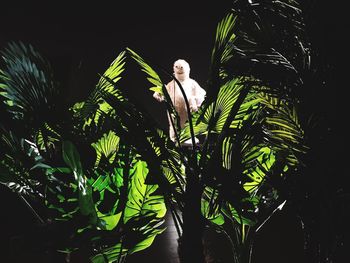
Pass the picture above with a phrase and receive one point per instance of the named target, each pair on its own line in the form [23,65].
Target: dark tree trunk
[190,244]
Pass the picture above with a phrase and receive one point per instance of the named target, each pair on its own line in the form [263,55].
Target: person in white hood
[194,93]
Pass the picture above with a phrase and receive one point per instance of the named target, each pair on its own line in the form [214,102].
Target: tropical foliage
[105,204]
[104,172]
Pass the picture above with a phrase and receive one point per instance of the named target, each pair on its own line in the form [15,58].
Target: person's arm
[159,97]
[198,96]
[169,87]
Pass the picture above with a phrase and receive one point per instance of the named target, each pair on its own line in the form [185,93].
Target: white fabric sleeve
[199,93]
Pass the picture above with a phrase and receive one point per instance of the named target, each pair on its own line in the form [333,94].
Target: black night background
[81,40]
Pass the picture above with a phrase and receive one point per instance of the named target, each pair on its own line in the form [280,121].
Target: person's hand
[159,97]
[193,108]
[193,105]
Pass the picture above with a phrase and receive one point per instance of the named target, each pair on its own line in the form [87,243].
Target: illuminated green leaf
[110,221]
[142,198]
[106,146]
[153,75]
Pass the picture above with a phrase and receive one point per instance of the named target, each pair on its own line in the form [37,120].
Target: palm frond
[89,109]
[221,53]
[271,43]
[27,83]
[282,128]
[31,95]
[153,76]
[226,99]
[18,157]
[106,146]
[136,129]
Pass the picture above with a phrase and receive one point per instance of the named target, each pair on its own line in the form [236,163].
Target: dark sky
[93,34]
[82,40]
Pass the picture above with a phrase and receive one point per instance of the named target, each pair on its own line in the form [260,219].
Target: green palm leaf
[153,76]
[159,87]
[282,128]
[72,159]
[142,198]
[31,94]
[210,207]
[275,51]
[17,157]
[256,171]
[221,52]
[106,146]
[226,99]
[27,83]
[90,109]
[139,129]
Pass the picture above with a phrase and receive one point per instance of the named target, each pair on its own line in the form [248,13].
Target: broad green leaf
[208,210]
[217,218]
[72,159]
[110,221]
[101,183]
[146,242]
[142,198]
